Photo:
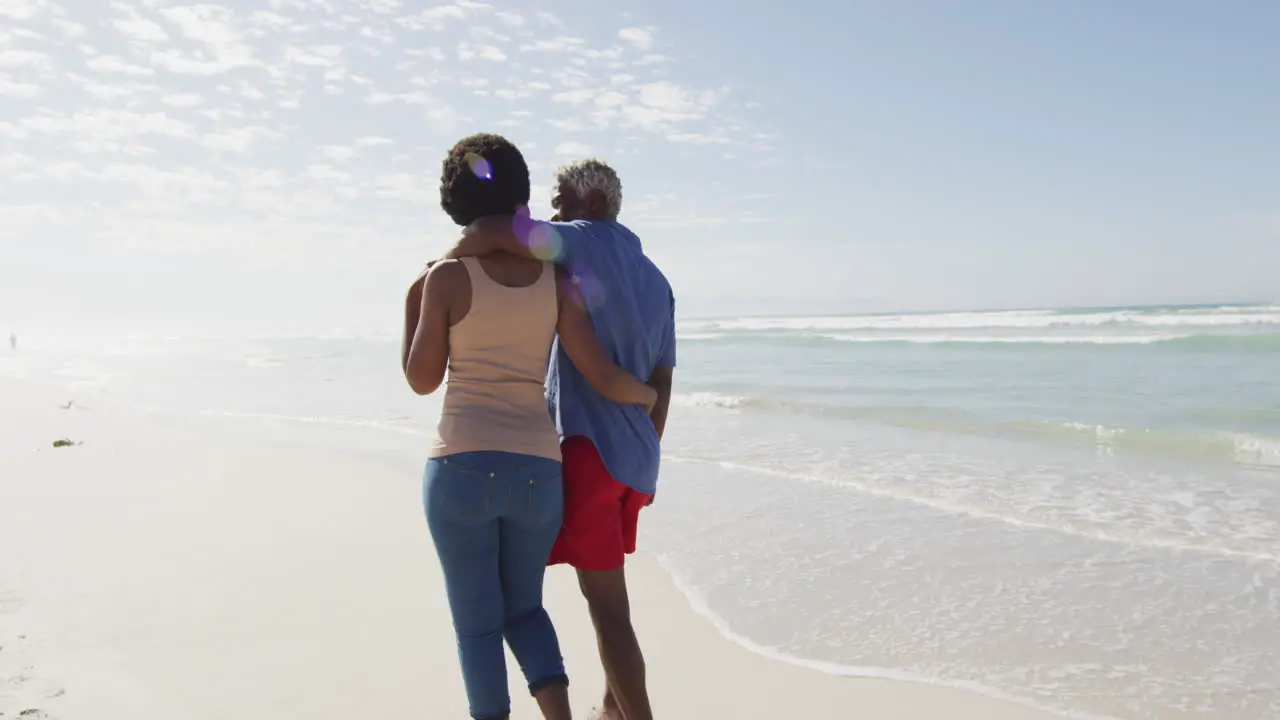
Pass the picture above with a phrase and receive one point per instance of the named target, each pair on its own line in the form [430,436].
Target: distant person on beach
[492,490]
[13,342]
[611,451]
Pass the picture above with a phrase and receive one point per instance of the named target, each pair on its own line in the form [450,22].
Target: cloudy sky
[273,165]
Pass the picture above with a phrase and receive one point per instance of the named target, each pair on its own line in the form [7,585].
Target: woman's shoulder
[447,278]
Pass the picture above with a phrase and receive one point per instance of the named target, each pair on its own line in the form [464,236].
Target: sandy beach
[150,572]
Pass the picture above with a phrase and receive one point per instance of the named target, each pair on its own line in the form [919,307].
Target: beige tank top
[494,397]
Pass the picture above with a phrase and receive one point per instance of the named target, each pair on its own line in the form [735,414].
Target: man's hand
[492,233]
[660,380]
[415,290]
[416,286]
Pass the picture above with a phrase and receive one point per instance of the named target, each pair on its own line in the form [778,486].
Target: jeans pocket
[544,488]
[458,491]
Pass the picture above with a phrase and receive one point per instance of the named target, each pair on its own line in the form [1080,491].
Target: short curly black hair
[483,174]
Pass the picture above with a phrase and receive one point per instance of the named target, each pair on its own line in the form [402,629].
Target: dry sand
[151,572]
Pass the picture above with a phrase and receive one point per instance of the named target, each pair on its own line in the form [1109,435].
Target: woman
[493,494]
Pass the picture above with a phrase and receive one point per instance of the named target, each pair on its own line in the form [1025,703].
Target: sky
[273,165]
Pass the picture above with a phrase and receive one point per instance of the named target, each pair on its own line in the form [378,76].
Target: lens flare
[480,166]
[544,242]
[541,238]
[589,289]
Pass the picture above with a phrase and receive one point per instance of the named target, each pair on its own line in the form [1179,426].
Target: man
[611,451]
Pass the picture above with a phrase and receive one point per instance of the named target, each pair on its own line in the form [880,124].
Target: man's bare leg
[626,697]
[609,706]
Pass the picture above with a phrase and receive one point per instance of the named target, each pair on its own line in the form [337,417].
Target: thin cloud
[113,64]
[25,60]
[13,88]
[509,19]
[638,38]
[573,149]
[140,29]
[179,128]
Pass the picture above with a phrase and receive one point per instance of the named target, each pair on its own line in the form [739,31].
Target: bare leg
[609,706]
[553,701]
[626,697]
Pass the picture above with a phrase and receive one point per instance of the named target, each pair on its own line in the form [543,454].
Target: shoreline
[297,582]
[869,673]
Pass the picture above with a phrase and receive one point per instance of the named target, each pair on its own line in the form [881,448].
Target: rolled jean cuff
[544,683]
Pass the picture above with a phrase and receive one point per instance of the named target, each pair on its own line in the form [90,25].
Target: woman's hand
[651,400]
[580,343]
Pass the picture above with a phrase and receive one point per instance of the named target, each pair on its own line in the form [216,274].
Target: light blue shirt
[633,311]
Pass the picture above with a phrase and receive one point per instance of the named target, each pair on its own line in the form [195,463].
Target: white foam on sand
[700,606]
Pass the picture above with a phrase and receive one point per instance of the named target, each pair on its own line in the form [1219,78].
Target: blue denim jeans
[494,517]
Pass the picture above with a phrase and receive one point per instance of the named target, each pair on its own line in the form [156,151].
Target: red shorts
[601,514]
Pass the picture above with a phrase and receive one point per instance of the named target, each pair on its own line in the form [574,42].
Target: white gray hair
[592,174]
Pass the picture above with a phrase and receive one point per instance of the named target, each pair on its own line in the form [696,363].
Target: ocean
[1079,509]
